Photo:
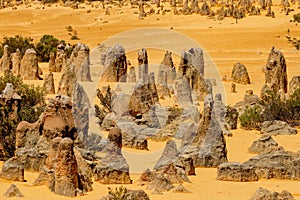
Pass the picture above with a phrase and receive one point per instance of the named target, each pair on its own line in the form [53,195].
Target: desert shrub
[105,104]
[28,109]
[275,108]
[17,42]
[118,193]
[296,17]
[252,118]
[293,106]
[46,45]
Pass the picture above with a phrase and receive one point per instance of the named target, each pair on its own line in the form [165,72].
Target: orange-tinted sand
[248,42]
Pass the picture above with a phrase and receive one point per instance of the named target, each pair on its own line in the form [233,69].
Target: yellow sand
[249,42]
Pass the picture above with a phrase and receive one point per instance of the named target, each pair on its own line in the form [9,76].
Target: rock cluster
[145,92]
[64,172]
[129,194]
[208,146]
[77,69]
[33,139]
[277,128]
[262,193]
[191,67]
[278,164]
[113,168]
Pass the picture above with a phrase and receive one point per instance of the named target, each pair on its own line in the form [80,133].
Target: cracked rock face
[240,74]
[275,71]
[29,69]
[115,65]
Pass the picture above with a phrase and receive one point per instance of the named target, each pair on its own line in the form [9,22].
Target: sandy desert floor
[249,42]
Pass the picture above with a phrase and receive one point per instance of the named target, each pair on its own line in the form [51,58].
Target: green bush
[117,193]
[46,45]
[17,42]
[28,109]
[252,118]
[293,106]
[274,108]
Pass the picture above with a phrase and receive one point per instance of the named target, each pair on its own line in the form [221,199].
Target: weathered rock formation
[65,172]
[66,177]
[167,71]
[49,83]
[275,71]
[183,93]
[145,92]
[77,69]
[129,195]
[278,164]
[236,172]
[262,194]
[208,148]
[13,191]
[191,67]
[33,139]
[16,62]
[5,61]
[131,77]
[113,168]
[166,75]
[277,128]
[80,58]
[80,110]
[155,181]
[13,171]
[220,110]
[143,63]
[173,167]
[180,189]
[10,103]
[52,66]
[29,69]
[294,84]
[263,144]
[67,81]
[240,74]
[60,59]
[115,64]
[231,117]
